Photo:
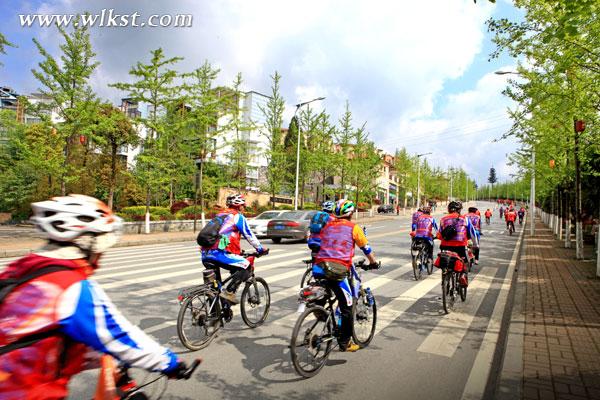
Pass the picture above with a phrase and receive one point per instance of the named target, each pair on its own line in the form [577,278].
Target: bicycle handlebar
[256,254]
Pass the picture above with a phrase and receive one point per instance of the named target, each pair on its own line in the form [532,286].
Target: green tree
[3,44]
[65,84]
[275,154]
[239,146]
[154,85]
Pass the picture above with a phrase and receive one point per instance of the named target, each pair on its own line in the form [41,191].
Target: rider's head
[328,206]
[472,209]
[426,210]
[454,206]
[236,201]
[344,209]
[79,220]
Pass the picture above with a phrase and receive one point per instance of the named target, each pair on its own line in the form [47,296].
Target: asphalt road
[418,352]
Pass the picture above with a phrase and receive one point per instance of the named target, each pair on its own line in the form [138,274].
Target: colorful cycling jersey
[338,238]
[475,221]
[85,318]
[488,214]
[415,217]
[234,226]
[424,226]
[510,216]
[521,213]
[463,226]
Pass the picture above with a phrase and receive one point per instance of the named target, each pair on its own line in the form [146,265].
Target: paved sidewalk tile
[561,344]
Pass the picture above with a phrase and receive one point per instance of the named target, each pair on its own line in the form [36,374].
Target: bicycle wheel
[416,260]
[429,264]
[448,295]
[462,291]
[364,313]
[197,323]
[255,302]
[306,277]
[312,339]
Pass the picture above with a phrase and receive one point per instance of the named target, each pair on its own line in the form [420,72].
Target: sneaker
[229,296]
[476,262]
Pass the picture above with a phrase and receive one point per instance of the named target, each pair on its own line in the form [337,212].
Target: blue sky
[416,71]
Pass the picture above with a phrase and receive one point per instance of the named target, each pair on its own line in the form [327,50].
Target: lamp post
[298,148]
[419,178]
[198,162]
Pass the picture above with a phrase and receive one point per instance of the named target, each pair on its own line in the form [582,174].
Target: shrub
[284,207]
[311,206]
[362,206]
[178,206]
[138,213]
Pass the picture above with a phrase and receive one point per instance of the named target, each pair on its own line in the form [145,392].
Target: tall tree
[275,154]
[154,85]
[65,84]
[343,136]
[239,146]
[3,44]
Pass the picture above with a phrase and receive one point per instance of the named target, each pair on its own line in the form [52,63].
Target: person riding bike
[51,321]
[424,231]
[338,238]
[455,232]
[502,211]
[521,215]
[415,217]
[475,220]
[226,251]
[317,223]
[488,216]
[510,216]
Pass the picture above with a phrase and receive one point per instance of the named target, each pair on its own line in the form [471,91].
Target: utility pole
[532,196]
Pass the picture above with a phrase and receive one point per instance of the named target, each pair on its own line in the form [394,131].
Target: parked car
[290,225]
[259,223]
[385,208]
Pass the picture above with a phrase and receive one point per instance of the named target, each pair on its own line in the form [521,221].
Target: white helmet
[236,200]
[64,219]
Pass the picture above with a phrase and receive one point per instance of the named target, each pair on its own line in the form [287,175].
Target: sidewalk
[554,335]
[20,245]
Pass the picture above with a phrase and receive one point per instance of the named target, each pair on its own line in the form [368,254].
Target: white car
[259,223]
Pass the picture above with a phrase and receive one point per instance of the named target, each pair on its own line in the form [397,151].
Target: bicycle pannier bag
[209,235]
[334,271]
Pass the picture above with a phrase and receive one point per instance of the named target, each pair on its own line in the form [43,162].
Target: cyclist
[226,251]
[475,220]
[521,214]
[488,216]
[461,231]
[424,231]
[510,216]
[501,211]
[49,323]
[338,238]
[415,217]
[317,223]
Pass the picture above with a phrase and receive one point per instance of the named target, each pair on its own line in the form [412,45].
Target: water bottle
[370,297]
[338,317]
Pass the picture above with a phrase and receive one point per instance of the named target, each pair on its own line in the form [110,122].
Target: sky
[416,71]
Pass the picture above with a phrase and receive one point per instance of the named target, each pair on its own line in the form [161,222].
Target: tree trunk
[113,175]
[578,216]
[567,220]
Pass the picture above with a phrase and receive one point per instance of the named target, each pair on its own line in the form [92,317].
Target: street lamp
[419,178]
[198,162]
[298,148]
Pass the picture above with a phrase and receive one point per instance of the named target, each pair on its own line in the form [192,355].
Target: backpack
[209,235]
[449,232]
[7,286]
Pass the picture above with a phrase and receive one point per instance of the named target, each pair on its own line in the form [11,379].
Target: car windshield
[292,215]
[268,215]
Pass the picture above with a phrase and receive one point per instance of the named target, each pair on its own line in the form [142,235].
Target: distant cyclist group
[52,313]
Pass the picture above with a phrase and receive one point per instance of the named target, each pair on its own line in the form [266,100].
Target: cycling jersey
[84,318]
[338,238]
[488,214]
[475,220]
[424,227]
[464,230]
[510,216]
[415,217]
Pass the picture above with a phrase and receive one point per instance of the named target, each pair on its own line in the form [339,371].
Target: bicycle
[126,387]
[206,312]
[307,277]
[452,267]
[319,322]
[487,220]
[470,255]
[511,227]
[420,258]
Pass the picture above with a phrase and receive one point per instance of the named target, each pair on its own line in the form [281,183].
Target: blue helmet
[328,206]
